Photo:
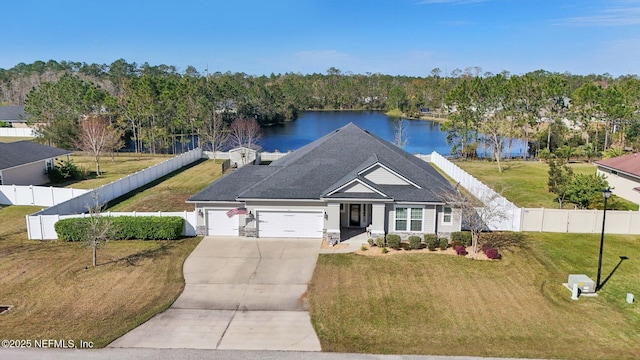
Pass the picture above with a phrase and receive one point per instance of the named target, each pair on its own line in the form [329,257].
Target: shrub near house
[125,228]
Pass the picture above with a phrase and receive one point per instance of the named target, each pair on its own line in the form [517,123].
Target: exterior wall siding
[622,185]
[380,175]
[28,174]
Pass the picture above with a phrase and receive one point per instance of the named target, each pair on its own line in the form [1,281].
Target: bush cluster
[431,240]
[444,243]
[414,242]
[125,228]
[461,250]
[73,229]
[461,238]
[65,171]
[493,254]
[393,241]
[380,242]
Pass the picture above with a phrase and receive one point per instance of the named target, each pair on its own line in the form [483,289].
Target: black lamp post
[605,193]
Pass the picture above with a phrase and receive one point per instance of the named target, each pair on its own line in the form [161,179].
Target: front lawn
[57,294]
[450,305]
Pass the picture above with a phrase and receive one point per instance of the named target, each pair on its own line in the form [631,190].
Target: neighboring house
[347,179]
[13,122]
[13,115]
[244,155]
[623,175]
[26,162]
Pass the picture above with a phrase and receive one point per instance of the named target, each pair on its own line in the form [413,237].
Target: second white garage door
[218,223]
[290,224]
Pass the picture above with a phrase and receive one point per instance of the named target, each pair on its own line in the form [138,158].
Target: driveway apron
[240,293]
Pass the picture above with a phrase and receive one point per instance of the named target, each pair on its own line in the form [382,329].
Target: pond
[424,136]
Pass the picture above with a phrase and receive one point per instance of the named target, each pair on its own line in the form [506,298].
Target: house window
[48,165]
[447,215]
[408,219]
[342,208]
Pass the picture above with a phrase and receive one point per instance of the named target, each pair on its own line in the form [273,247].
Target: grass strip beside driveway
[57,294]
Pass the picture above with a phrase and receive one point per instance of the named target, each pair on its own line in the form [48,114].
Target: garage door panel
[218,223]
[290,224]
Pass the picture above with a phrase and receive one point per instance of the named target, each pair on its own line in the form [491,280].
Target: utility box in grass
[585,284]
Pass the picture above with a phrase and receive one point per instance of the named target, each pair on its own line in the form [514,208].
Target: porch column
[377,220]
[332,223]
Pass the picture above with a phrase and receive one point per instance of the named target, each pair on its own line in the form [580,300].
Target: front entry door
[354,215]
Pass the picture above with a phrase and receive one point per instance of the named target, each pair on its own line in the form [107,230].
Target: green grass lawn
[121,166]
[57,294]
[524,182]
[449,305]
[8,139]
[170,192]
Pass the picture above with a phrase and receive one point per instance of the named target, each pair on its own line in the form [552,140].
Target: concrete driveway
[240,293]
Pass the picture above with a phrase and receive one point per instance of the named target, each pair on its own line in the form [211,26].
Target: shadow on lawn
[622,258]
[133,259]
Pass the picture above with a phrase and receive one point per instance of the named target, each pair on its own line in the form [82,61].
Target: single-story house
[13,115]
[26,162]
[623,175]
[244,155]
[347,179]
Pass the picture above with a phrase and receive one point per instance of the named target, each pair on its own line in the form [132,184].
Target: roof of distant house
[629,164]
[25,152]
[12,113]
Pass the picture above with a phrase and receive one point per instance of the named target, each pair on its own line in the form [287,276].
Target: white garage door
[290,224]
[218,223]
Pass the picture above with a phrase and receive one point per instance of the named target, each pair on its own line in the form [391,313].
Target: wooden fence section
[36,195]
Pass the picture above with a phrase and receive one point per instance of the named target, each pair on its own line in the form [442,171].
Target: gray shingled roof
[25,152]
[322,166]
[11,113]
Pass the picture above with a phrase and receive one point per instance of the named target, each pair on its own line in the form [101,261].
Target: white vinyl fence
[17,132]
[266,156]
[580,221]
[485,194]
[40,224]
[36,195]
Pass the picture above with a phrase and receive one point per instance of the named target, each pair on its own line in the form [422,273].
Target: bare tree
[245,132]
[115,140]
[400,133]
[98,227]
[215,132]
[478,215]
[96,136]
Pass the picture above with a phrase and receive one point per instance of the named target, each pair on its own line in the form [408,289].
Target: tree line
[554,113]
[156,107]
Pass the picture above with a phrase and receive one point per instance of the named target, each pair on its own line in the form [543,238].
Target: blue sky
[396,37]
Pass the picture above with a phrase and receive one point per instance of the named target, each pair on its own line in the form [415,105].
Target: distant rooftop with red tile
[629,164]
